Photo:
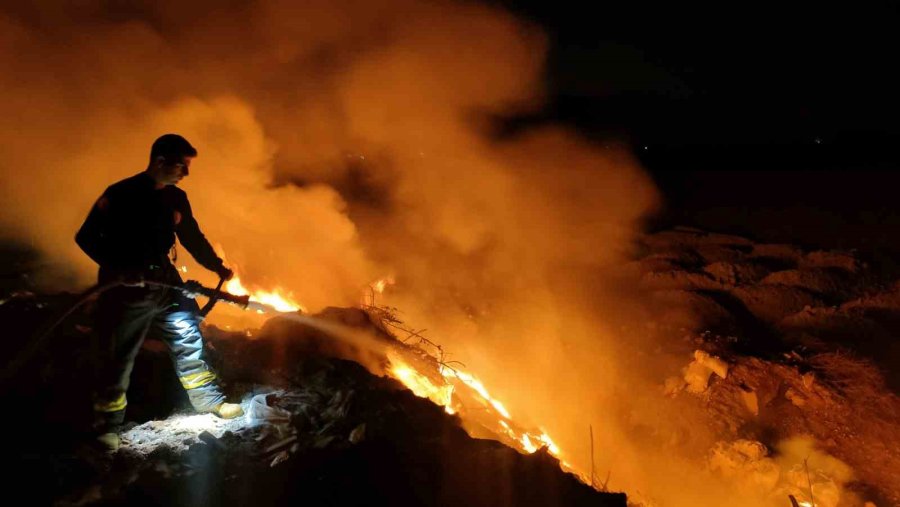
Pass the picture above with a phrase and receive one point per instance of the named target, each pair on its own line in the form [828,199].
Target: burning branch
[591,429]
[812,500]
[421,366]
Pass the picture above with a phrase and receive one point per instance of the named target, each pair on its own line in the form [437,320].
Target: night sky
[776,121]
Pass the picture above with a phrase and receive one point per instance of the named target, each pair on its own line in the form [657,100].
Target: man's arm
[93,237]
[195,242]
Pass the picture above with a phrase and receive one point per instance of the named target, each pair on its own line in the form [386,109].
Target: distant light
[646,147]
[817,140]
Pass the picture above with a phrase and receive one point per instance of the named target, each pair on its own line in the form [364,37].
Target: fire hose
[191,289]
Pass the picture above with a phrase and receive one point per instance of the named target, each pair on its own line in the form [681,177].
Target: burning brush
[460,393]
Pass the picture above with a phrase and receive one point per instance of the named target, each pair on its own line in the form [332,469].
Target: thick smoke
[341,142]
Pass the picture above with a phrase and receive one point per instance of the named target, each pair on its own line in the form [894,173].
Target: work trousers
[125,317]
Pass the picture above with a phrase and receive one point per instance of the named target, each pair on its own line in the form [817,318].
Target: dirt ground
[810,339]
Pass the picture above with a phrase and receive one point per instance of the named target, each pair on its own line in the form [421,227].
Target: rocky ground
[788,343]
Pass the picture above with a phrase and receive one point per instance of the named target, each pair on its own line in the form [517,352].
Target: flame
[446,394]
[375,288]
[529,446]
[422,386]
[278,299]
[500,408]
[382,284]
[545,439]
[275,299]
[440,390]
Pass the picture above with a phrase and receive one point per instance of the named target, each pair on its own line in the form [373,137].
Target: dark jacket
[132,228]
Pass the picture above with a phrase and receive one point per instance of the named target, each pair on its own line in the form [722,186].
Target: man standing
[129,233]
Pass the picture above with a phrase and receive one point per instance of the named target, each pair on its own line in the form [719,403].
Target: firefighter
[130,232]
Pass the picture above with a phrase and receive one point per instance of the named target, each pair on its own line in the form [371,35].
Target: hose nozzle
[193,288]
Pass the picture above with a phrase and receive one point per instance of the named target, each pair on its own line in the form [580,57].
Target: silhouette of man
[129,232]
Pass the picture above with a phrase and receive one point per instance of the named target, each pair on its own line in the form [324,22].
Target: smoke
[340,142]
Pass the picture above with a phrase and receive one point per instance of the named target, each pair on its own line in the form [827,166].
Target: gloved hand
[191,288]
[225,273]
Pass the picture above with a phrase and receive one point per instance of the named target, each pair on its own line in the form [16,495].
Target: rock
[715,364]
[685,280]
[281,444]
[833,259]
[747,462]
[683,238]
[697,373]
[832,283]
[691,310]
[658,263]
[825,490]
[280,458]
[722,253]
[323,441]
[358,434]
[730,273]
[696,377]
[796,398]
[772,303]
[808,379]
[781,254]
[211,440]
[751,401]
[674,385]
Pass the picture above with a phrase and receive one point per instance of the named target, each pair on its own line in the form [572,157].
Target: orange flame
[382,284]
[445,396]
[421,386]
[441,390]
[276,299]
[375,288]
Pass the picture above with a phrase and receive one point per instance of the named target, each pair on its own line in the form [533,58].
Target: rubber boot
[108,442]
[229,410]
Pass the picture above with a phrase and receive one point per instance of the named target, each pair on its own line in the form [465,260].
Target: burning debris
[317,428]
[420,368]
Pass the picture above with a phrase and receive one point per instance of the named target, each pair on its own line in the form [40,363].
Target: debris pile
[319,428]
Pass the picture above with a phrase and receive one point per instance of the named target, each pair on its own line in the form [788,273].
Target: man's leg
[179,327]
[121,324]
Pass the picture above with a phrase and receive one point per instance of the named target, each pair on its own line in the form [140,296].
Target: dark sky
[778,121]
[682,75]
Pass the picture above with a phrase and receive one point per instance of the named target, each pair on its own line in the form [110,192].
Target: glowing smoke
[340,142]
